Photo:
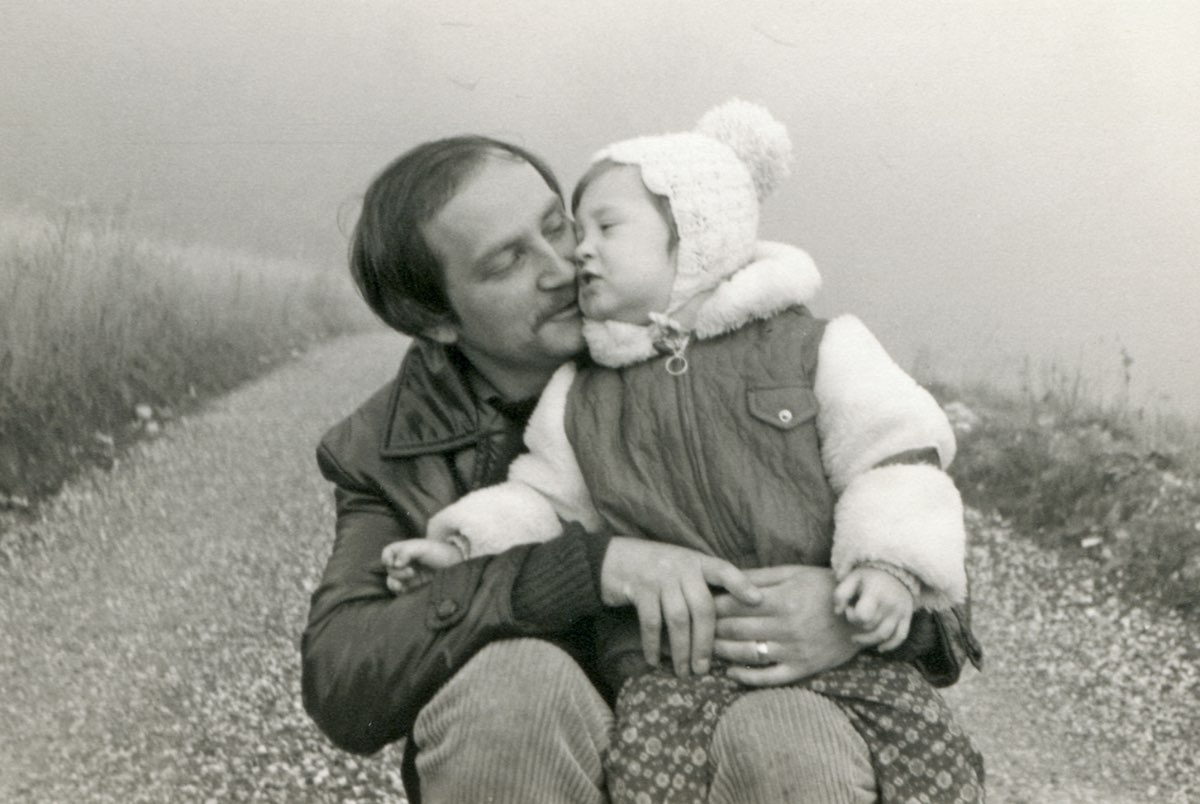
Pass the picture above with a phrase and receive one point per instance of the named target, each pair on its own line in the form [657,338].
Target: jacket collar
[780,276]
[434,406]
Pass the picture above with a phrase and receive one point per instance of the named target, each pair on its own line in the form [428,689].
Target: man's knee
[520,713]
[789,744]
[515,681]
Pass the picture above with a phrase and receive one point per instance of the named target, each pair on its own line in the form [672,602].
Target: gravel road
[149,630]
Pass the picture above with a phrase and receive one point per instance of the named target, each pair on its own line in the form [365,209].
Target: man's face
[504,241]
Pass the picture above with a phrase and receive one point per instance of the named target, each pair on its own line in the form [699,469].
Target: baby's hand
[876,603]
[409,562]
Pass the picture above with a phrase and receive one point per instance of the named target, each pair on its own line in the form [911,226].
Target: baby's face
[627,265]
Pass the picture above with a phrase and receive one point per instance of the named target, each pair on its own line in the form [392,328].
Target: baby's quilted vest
[723,458]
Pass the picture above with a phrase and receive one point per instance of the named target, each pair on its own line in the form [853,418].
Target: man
[464,244]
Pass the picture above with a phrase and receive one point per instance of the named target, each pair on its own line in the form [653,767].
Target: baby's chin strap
[670,338]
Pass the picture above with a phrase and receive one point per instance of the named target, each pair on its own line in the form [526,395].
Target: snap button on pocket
[783,407]
[446,608]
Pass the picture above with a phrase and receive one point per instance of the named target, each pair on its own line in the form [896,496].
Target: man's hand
[669,584]
[410,562]
[877,604]
[795,623]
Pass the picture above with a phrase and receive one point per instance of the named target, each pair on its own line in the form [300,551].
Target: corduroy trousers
[521,723]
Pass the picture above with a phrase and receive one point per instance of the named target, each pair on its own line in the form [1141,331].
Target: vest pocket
[783,408]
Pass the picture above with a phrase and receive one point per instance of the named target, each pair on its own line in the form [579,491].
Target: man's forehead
[499,201]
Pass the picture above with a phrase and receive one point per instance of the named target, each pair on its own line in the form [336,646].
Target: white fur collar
[779,277]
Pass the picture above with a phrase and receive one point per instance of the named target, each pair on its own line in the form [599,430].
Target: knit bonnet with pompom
[714,178]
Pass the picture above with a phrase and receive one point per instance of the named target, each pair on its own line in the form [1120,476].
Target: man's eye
[502,263]
[555,226]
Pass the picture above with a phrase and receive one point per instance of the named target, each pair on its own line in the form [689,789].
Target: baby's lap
[784,717]
[867,680]
[872,679]
[726,719]
[516,673]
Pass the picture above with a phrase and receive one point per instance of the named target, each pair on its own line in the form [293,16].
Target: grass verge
[104,333]
[1101,479]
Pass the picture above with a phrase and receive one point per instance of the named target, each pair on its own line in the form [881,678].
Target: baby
[720,415]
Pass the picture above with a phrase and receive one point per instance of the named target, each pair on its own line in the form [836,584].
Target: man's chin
[565,337]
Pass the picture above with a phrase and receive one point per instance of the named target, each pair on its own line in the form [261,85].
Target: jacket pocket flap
[783,408]
[450,594]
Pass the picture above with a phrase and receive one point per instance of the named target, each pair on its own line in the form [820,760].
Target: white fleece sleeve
[544,485]
[907,515]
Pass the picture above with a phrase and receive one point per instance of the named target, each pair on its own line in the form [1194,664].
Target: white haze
[981,182]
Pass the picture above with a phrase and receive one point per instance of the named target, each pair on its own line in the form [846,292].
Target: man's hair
[396,271]
[599,168]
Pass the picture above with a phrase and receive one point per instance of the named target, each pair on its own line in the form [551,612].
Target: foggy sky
[980,182]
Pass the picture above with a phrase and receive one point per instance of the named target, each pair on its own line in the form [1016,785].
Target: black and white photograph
[614,402]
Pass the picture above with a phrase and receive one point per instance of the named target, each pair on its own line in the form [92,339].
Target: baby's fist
[878,604]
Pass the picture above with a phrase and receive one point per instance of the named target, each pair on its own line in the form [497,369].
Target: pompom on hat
[714,178]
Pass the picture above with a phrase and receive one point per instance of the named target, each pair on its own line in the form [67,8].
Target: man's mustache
[561,303]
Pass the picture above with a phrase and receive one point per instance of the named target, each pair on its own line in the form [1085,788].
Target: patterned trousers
[660,750]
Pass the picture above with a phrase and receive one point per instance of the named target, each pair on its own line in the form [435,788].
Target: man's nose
[558,269]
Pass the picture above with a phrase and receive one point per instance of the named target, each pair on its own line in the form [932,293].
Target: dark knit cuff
[596,547]
[559,581]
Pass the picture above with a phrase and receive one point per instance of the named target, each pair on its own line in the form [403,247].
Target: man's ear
[444,333]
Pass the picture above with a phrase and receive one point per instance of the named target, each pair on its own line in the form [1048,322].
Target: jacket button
[785,415]
[446,608]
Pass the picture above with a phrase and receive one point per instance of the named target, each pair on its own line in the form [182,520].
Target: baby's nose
[584,250]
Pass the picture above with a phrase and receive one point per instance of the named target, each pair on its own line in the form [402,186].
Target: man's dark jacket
[372,659]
